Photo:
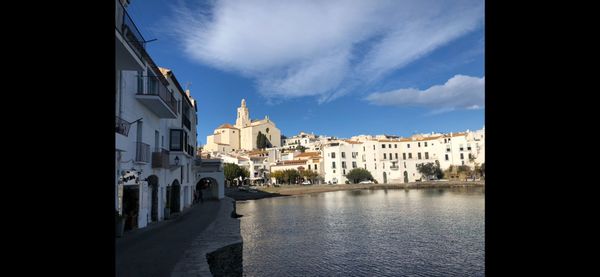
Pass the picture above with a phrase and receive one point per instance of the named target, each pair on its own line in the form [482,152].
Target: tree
[232,171]
[309,175]
[438,172]
[262,141]
[464,168]
[278,175]
[291,175]
[426,169]
[359,174]
[301,148]
[245,174]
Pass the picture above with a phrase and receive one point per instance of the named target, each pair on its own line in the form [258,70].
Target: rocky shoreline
[290,190]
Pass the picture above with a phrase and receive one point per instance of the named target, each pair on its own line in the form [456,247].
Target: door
[405,177]
[384,177]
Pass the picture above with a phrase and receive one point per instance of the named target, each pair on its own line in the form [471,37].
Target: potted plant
[119,224]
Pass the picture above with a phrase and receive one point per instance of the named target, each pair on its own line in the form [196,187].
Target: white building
[243,135]
[392,159]
[155,135]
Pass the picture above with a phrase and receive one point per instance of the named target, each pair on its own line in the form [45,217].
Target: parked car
[306,183]
[366,182]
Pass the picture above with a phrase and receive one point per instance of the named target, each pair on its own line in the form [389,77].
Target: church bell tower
[243,117]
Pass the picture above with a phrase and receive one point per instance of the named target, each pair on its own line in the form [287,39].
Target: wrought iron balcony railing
[156,87]
[142,152]
[124,24]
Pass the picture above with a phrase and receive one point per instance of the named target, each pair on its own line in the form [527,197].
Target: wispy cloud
[459,92]
[319,48]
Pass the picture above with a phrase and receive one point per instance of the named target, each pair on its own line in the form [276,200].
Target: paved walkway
[156,249]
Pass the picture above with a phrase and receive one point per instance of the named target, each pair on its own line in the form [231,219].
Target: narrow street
[156,249]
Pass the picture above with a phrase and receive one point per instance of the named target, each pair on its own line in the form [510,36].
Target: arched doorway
[207,188]
[175,197]
[153,184]
[405,177]
[384,177]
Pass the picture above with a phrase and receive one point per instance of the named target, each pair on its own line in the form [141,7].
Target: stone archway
[207,187]
[153,184]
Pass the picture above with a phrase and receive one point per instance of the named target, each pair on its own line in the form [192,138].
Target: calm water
[429,232]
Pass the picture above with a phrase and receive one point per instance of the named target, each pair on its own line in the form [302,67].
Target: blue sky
[338,68]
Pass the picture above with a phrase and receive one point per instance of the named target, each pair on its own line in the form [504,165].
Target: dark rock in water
[226,261]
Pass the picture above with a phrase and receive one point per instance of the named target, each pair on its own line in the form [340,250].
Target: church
[243,135]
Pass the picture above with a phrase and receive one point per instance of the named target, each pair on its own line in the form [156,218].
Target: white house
[155,134]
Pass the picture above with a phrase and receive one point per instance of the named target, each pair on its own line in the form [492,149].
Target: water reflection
[365,233]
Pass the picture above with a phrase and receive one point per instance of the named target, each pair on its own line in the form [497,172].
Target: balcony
[122,126]
[124,25]
[160,158]
[157,97]
[142,153]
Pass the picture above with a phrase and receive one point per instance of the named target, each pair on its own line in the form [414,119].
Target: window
[332,164]
[176,140]
[425,144]
[410,155]
[343,164]
[383,146]
[373,147]
[419,155]
[343,155]
[447,149]
[384,156]
[426,155]
[463,162]
[375,166]
[461,147]
[383,165]
[309,167]
[404,156]
[396,154]
[364,149]
[404,164]
[315,167]
[395,145]
[344,171]
[469,147]
[389,145]
[333,156]
[267,130]
[408,145]
[462,157]
[353,164]
[418,144]
[445,141]
[446,157]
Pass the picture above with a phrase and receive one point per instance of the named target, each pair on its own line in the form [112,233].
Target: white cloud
[459,92]
[317,48]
